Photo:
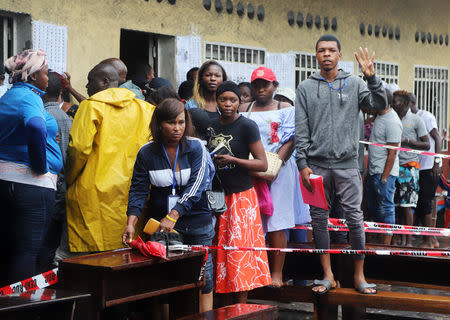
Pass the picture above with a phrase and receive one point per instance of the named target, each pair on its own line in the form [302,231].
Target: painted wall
[94,27]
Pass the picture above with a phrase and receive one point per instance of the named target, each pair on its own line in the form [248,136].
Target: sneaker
[160,237]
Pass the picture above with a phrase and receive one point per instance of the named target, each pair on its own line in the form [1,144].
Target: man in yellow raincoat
[108,130]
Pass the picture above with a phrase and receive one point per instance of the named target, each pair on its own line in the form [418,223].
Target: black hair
[329,37]
[199,89]
[156,96]
[167,110]
[190,74]
[186,90]
[54,85]
[139,74]
[248,85]
[404,95]
[65,95]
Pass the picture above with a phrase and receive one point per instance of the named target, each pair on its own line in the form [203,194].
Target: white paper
[347,66]
[282,65]
[189,55]
[53,40]
[238,72]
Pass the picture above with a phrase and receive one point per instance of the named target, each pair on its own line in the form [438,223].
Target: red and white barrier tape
[37,282]
[386,228]
[418,253]
[426,153]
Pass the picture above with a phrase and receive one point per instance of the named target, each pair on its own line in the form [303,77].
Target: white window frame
[304,68]
[226,52]
[386,71]
[429,79]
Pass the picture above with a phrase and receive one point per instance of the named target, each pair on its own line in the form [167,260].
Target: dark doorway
[158,50]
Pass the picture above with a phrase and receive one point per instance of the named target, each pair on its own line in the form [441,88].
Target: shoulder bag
[274,162]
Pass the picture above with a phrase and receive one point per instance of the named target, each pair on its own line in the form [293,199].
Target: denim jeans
[25,212]
[201,236]
[380,198]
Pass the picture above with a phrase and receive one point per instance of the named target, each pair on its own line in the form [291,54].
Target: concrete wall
[94,27]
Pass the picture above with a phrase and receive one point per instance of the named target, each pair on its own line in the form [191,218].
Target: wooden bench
[238,311]
[388,300]
[418,272]
[42,304]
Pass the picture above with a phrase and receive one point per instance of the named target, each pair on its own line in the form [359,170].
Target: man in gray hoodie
[327,109]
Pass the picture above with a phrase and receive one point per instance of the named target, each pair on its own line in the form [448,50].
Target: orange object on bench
[238,311]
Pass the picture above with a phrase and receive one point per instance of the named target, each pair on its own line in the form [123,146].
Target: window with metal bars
[431,90]
[305,65]
[233,53]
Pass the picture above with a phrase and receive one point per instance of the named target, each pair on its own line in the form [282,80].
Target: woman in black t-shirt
[232,139]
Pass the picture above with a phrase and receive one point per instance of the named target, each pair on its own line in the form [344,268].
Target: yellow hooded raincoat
[108,130]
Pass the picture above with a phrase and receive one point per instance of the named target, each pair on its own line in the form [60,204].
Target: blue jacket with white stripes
[152,173]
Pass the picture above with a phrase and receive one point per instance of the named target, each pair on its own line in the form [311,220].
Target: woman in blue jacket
[30,160]
[175,166]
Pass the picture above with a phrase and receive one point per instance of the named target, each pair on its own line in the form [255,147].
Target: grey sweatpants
[342,186]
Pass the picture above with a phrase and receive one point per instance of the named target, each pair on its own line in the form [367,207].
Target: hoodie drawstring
[340,91]
[318,85]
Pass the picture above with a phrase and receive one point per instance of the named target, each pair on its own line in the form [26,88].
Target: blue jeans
[201,236]
[25,212]
[380,198]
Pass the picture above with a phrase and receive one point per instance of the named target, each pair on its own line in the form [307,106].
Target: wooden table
[123,276]
[41,304]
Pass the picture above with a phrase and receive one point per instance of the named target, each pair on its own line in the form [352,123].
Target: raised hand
[366,63]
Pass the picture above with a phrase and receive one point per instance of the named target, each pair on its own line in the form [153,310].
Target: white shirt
[427,162]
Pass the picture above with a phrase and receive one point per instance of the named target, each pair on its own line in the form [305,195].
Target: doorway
[158,50]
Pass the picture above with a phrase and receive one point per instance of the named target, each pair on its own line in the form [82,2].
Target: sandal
[363,286]
[323,283]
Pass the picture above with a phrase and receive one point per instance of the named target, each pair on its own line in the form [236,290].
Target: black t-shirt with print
[235,138]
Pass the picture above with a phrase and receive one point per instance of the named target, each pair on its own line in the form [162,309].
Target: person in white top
[430,170]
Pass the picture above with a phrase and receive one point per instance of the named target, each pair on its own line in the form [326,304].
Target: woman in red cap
[276,125]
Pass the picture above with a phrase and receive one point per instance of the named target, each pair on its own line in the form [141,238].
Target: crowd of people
[81,179]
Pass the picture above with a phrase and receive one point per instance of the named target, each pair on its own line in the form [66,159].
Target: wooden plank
[114,302]
[389,300]
[285,294]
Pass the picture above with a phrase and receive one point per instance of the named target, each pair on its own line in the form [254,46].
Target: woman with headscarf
[30,160]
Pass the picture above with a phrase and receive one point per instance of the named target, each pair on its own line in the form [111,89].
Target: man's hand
[305,178]
[128,234]
[437,170]
[366,63]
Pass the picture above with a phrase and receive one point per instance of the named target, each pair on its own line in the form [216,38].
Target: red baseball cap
[263,73]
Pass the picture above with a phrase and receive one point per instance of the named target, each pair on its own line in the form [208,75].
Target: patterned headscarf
[22,65]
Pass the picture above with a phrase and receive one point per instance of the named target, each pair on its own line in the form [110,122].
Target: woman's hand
[128,234]
[167,224]
[224,159]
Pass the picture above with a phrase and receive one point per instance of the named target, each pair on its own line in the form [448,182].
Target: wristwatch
[437,160]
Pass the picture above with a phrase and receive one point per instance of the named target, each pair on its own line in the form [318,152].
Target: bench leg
[324,311]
